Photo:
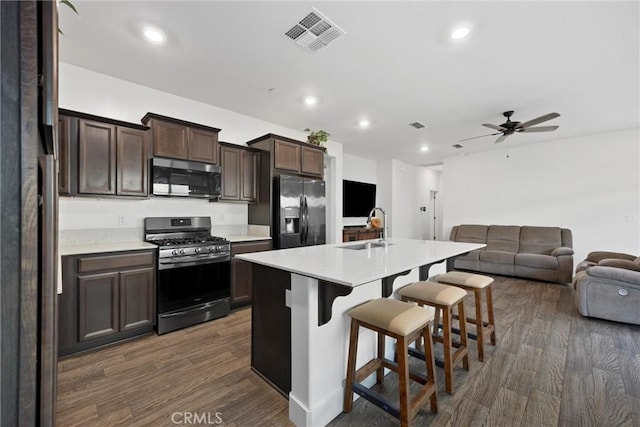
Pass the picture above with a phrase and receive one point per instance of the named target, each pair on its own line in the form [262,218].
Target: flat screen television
[358,198]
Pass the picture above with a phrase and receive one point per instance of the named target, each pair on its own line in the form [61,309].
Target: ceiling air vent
[417,125]
[457,146]
[314,31]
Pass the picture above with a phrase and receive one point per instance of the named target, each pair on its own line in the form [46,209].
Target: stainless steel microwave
[185,179]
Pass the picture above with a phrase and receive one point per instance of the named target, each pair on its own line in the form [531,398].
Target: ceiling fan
[509,128]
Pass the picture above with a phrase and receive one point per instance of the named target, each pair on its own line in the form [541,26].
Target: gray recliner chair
[608,287]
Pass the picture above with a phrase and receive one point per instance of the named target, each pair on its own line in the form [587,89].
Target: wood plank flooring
[551,367]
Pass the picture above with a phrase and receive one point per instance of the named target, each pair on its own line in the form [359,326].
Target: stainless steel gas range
[193,280]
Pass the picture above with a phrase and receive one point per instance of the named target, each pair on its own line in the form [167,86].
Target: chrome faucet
[384,220]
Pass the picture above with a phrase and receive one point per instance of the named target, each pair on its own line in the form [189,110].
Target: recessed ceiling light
[460,33]
[424,148]
[310,100]
[154,35]
[364,123]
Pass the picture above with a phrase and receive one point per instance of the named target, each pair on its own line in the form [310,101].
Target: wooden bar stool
[444,298]
[406,323]
[475,283]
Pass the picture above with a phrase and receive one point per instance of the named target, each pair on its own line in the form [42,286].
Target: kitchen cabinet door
[230,158]
[169,140]
[286,156]
[249,176]
[312,162]
[96,158]
[137,298]
[242,271]
[203,146]
[242,279]
[98,305]
[132,162]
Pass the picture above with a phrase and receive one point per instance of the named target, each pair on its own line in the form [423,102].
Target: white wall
[94,93]
[590,185]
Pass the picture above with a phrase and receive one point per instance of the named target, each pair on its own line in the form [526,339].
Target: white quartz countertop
[104,247]
[247,238]
[334,263]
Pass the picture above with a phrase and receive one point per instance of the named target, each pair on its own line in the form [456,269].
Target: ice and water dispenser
[292,220]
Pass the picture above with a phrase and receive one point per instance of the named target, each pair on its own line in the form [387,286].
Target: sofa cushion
[537,261]
[539,240]
[503,238]
[506,269]
[497,257]
[471,233]
[468,261]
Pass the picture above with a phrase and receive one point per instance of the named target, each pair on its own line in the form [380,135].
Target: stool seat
[392,315]
[433,292]
[465,279]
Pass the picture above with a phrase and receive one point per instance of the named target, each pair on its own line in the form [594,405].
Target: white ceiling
[395,65]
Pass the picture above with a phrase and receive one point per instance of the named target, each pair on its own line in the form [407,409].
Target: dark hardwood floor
[551,367]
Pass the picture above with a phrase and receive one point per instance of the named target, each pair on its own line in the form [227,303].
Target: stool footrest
[420,355]
[375,398]
[457,332]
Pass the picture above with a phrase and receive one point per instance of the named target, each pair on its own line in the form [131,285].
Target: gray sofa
[541,253]
[608,287]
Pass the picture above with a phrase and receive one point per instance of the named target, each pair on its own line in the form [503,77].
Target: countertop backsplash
[85,221]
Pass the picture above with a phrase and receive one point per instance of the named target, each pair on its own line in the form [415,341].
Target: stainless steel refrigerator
[299,217]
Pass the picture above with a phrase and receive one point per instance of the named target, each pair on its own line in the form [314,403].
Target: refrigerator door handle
[302,220]
[306,222]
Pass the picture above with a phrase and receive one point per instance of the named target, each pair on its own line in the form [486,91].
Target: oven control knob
[197,250]
[181,251]
[212,249]
[174,252]
[219,248]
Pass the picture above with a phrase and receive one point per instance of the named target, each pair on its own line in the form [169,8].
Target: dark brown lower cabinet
[241,271]
[105,298]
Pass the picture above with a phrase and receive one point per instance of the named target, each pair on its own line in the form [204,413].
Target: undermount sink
[368,245]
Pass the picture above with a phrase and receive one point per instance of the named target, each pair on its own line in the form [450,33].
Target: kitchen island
[300,327]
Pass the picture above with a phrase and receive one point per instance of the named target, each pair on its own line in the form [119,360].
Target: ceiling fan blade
[496,127]
[539,129]
[538,120]
[481,136]
[501,138]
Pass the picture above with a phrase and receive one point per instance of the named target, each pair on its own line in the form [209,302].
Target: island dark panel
[271,327]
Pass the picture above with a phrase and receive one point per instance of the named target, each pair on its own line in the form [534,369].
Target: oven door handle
[191,310]
[215,258]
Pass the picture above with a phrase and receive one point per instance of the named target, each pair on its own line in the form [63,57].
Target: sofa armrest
[620,263]
[620,274]
[562,251]
[598,256]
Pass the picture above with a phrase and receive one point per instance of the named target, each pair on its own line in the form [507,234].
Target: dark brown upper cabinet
[132,162]
[96,158]
[101,156]
[178,139]
[291,156]
[239,173]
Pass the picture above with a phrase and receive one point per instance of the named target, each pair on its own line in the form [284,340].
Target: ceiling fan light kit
[510,127]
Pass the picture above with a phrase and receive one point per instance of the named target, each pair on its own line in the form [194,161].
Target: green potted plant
[317,137]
